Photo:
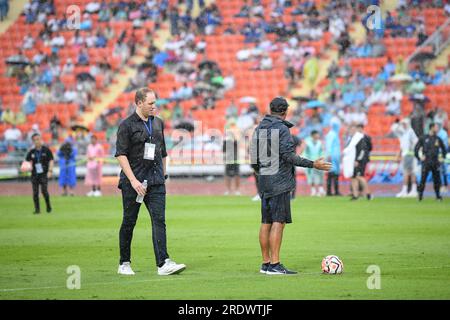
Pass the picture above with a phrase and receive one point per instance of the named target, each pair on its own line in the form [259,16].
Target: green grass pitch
[217,238]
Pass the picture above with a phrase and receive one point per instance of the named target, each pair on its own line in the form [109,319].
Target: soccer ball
[25,166]
[332,265]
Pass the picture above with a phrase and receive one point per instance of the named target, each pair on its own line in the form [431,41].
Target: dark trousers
[434,167]
[332,180]
[155,201]
[36,181]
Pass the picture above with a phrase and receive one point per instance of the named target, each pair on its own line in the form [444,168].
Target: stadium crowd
[284,34]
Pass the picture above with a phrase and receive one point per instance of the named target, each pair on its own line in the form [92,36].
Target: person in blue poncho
[333,154]
[314,150]
[67,176]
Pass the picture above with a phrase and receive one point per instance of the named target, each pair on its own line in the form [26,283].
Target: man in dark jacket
[273,157]
[427,152]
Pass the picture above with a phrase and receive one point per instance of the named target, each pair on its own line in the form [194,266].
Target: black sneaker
[420,197]
[36,212]
[439,199]
[353,198]
[279,269]
[264,267]
[369,197]
[49,209]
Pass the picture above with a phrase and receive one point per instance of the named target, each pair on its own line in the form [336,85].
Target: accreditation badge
[39,168]
[149,151]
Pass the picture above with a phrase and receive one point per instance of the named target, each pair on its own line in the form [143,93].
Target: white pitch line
[180,278]
[90,284]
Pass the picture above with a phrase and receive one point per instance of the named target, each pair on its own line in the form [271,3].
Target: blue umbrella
[315,104]
[160,59]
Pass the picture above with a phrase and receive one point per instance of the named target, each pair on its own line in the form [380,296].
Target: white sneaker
[237,193]
[125,269]
[90,193]
[170,267]
[256,198]
[97,193]
[412,194]
[313,192]
[321,192]
[226,193]
[403,193]
[400,194]
[443,190]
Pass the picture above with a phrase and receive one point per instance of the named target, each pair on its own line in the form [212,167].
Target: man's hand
[49,174]
[137,185]
[321,164]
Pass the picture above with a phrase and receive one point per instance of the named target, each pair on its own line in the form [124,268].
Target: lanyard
[38,155]
[148,127]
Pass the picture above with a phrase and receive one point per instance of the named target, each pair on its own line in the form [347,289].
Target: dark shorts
[360,170]
[276,209]
[231,170]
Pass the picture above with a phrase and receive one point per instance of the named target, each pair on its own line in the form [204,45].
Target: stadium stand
[227,55]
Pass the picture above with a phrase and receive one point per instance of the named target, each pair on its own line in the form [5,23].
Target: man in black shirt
[41,159]
[364,147]
[427,151]
[273,157]
[141,152]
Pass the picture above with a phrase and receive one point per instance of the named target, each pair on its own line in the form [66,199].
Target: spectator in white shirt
[58,41]
[12,134]
[70,95]
[90,40]
[28,42]
[68,67]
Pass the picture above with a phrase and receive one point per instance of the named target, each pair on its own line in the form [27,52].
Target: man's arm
[360,150]
[28,157]
[50,168]
[288,154]
[122,148]
[125,165]
[418,146]
[50,164]
[164,165]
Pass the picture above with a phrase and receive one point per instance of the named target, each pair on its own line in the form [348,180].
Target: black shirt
[131,138]
[363,149]
[230,151]
[43,156]
[430,145]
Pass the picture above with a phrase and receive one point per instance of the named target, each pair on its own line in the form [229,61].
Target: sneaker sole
[173,272]
[280,274]
[263,272]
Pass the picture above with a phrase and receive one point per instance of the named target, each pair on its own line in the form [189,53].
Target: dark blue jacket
[273,157]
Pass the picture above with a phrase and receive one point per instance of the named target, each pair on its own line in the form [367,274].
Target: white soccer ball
[26,166]
[332,265]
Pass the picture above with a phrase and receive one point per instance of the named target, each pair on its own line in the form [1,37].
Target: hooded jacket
[273,157]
